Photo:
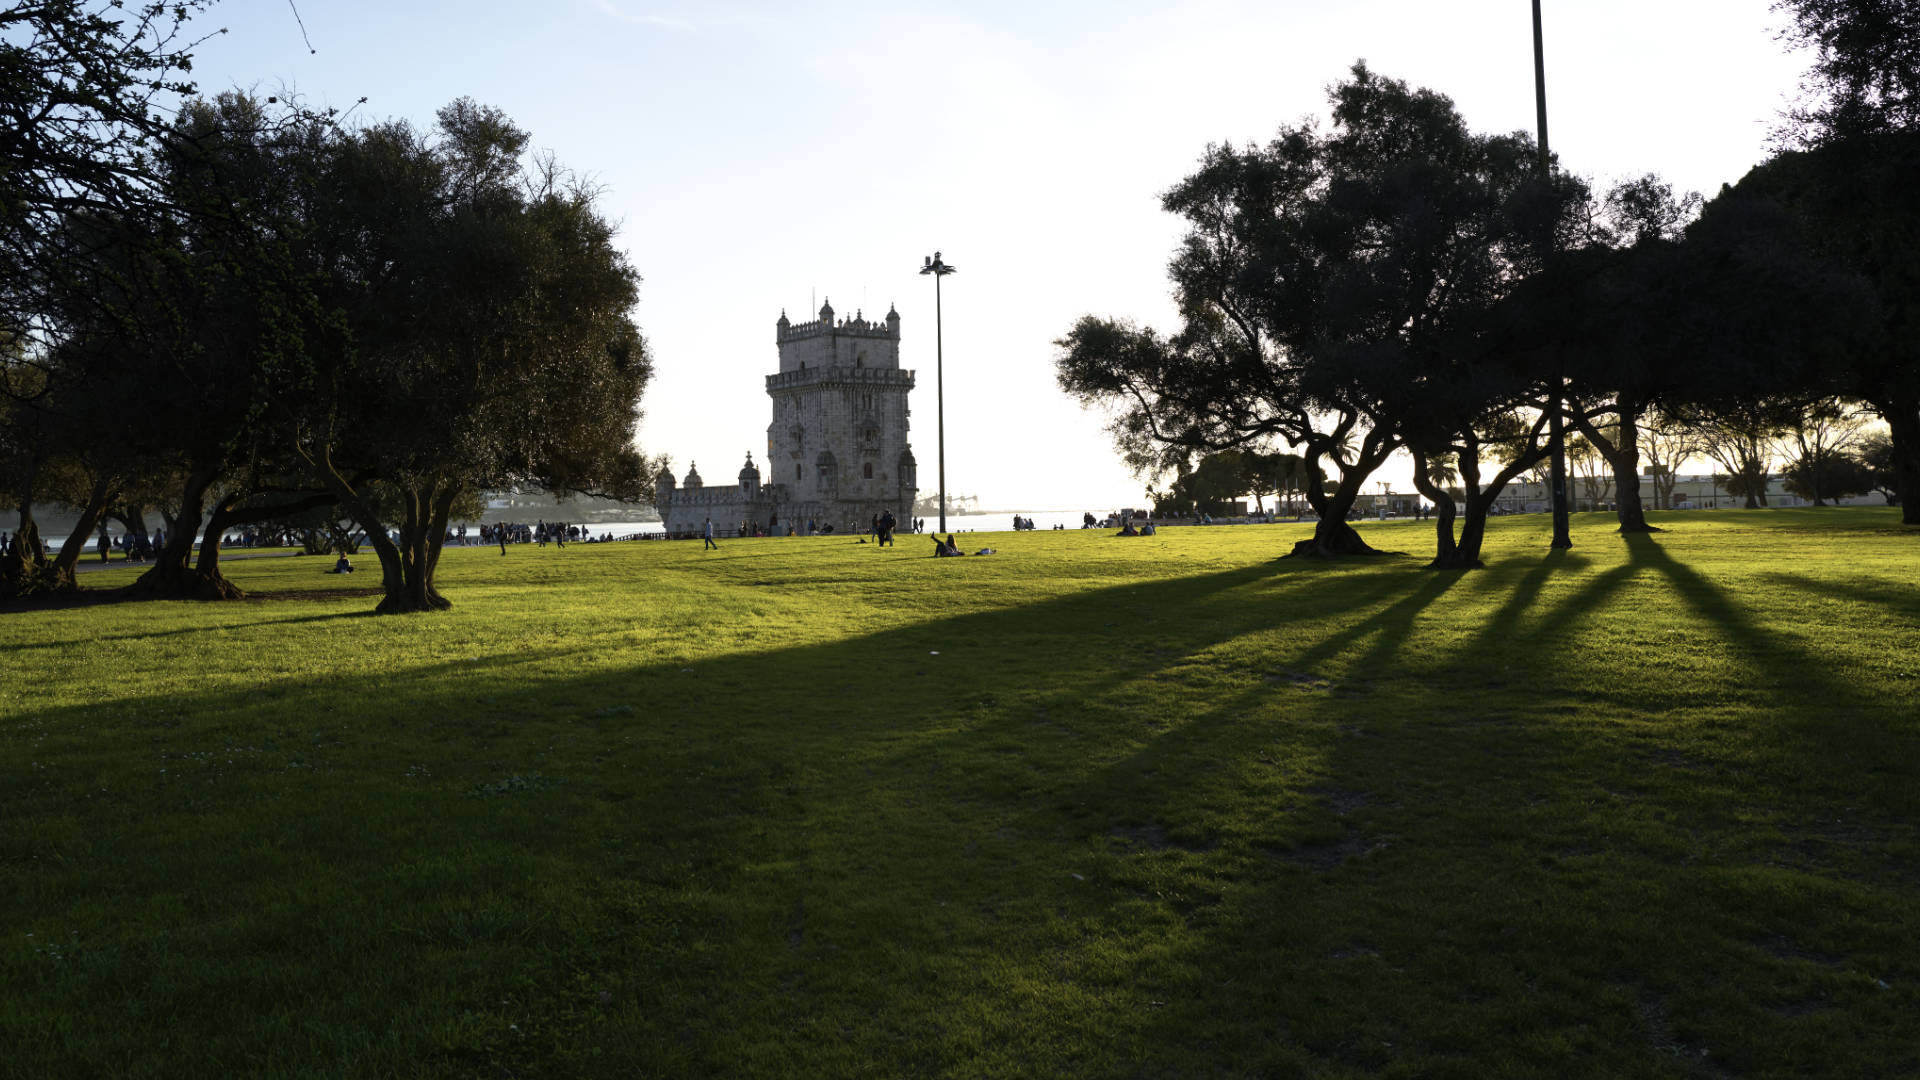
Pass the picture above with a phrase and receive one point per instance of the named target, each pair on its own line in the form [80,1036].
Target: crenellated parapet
[858,326]
[849,327]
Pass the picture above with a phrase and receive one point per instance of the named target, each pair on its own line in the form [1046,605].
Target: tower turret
[749,478]
[693,477]
[663,493]
[893,323]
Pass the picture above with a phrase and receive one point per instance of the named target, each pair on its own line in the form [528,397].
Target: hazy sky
[770,156]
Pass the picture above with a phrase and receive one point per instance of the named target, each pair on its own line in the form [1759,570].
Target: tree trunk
[207,569]
[172,576]
[422,532]
[1465,555]
[1333,537]
[24,558]
[1444,547]
[1903,428]
[1473,532]
[61,573]
[134,517]
[1623,457]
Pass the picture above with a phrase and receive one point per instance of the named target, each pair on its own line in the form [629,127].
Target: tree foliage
[82,86]
[1865,77]
[483,336]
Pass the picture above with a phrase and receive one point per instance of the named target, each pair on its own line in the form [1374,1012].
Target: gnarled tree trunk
[172,576]
[422,532]
[23,562]
[1623,457]
[61,571]
[1464,554]
[1333,536]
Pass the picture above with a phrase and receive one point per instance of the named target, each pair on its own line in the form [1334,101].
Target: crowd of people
[540,534]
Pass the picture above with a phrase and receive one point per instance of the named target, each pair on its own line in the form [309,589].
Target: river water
[963,523]
[1045,519]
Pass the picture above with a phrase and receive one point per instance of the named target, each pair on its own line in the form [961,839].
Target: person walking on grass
[710,545]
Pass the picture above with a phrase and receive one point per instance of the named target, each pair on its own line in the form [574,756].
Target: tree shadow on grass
[1081,836]
[1455,905]
[1821,718]
[1902,604]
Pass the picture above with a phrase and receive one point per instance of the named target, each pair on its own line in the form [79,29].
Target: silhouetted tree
[1875,454]
[1817,443]
[1857,203]
[1324,284]
[1643,214]
[1865,78]
[1740,436]
[79,86]
[484,342]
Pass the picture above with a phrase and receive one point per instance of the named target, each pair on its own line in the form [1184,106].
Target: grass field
[1161,807]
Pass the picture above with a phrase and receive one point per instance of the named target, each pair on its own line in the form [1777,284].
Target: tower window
[867,470]
[796,471]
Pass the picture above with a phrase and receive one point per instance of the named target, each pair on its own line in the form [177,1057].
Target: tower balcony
[893,378]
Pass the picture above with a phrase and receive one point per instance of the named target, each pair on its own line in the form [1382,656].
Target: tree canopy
[1334,288]
[379,318]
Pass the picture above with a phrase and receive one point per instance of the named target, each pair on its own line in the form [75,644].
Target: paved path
[91,561]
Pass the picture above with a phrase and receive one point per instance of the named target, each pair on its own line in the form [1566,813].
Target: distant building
[1690,492]
[837,451]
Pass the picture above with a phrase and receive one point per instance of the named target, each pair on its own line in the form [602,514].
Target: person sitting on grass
[944,548]
[1128,529]
[341,566]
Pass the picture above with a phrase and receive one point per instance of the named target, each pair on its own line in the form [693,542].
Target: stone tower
[837,452]
[838,441]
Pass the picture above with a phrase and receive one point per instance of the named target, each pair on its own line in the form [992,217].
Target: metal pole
[1556,431]
[940,397]
[939,268]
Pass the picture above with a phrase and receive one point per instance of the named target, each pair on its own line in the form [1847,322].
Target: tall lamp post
[939,270]
[1556,430]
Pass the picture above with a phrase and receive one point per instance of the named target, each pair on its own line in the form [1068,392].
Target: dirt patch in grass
[1781,947]
[1153,836]
[1342,801]
[1674,759]
[1326,855]
[1299,680]
[1661,1038]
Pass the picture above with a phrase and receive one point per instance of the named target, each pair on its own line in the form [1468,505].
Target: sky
[769,157]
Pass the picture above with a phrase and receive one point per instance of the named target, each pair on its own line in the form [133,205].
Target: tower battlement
[853,327]
[828,342]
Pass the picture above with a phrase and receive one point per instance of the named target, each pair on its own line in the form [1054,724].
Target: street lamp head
[936,267]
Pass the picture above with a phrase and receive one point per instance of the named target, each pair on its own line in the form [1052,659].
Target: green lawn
[1158,807]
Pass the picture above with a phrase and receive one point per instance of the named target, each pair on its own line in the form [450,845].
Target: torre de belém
[837,451]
